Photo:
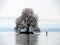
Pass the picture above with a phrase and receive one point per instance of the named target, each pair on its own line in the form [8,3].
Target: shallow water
[11,38]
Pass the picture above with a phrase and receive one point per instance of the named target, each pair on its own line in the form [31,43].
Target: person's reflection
[24,39]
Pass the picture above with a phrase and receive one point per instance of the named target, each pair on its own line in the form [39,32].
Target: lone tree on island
[27,21]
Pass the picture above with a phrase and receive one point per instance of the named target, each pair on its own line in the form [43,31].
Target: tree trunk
[28,29]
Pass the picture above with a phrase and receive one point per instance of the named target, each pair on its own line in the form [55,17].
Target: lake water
[12,38]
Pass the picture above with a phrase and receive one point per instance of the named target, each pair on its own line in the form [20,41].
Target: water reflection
[23,39]
[7,38]
[11,38]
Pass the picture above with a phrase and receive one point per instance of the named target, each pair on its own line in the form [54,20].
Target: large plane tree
[27,21]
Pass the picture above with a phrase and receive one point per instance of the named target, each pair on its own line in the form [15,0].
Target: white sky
[46,9]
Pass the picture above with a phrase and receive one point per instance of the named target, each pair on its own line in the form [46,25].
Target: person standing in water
[46,33]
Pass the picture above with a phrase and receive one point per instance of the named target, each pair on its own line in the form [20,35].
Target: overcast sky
[46,9]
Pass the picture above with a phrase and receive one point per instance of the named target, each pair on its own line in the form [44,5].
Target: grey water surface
[12,38]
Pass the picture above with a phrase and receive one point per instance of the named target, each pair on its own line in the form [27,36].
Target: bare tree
[27,21]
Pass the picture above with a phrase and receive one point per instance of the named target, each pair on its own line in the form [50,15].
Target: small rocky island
[27,22]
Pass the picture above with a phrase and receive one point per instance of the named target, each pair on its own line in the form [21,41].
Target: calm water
[11,38]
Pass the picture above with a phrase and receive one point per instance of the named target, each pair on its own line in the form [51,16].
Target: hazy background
[48,13]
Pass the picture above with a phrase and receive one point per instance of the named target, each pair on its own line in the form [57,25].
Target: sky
[48,11]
